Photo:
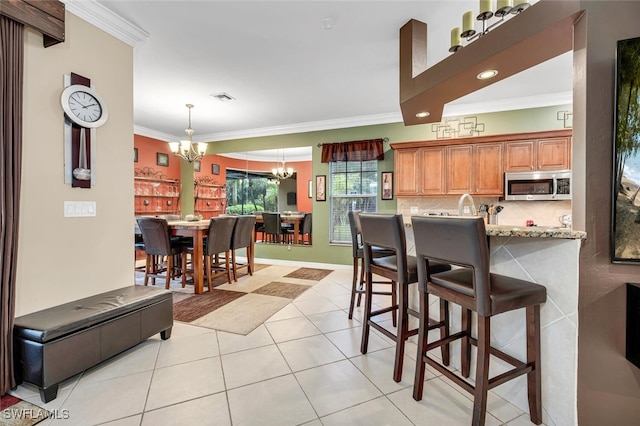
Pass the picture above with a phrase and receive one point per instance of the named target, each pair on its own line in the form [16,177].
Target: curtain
[11,76]
[365,150]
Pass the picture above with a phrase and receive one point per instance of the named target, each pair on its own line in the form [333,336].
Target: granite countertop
[535,231]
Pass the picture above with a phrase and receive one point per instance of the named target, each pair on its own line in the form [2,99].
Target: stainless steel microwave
[537,186]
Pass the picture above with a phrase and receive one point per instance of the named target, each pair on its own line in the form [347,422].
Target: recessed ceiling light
[422,114]
[485,75]
[223,97]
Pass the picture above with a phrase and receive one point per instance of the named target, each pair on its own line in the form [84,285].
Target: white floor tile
[278,401]
[181,349]
[337,386]
[289,329]
[99,402]
[136,360]
[253,365]
[378,367]
[309,352]
[128,421]
[182,382]
[348,341]
[441,404]
[332,321]
[379,411]
[210,410]
[289,311]
[230,342]
[315,306]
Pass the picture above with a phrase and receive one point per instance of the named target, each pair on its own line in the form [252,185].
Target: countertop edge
[531,232]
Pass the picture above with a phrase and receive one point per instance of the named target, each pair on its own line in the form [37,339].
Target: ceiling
[293,66]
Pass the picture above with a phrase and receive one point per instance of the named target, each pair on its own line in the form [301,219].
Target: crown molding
[496,105]
[103,18]
[312,126]
[150,133]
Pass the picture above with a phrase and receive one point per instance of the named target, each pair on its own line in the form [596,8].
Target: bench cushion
[52,323]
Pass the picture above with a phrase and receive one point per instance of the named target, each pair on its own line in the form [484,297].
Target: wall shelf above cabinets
[476,165]
[155,194]
[210,197]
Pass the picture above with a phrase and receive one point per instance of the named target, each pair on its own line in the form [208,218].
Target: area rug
[241,307]
[18,412]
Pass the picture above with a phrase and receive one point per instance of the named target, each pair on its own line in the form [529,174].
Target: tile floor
[302,367]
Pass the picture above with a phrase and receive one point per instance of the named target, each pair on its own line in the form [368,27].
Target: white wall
[62,259]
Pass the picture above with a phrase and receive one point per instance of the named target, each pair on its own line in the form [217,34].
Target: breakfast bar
[548,256]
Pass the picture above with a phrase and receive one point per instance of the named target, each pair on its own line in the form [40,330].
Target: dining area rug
[18,412]
[242,306]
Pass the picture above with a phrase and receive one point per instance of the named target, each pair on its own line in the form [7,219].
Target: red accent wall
[148,148]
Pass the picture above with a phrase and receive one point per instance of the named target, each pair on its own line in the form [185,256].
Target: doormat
[18,412]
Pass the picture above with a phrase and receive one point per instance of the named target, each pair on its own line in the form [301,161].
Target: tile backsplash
[543,213]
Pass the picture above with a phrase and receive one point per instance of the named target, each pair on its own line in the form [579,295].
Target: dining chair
[462,241]
[259,226]
[387,231]
[272,227]
[306,228]
[358,284]
[243,238]
[219,236]
[158,246]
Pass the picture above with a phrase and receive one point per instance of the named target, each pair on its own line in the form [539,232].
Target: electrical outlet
[414,210]
[466,209]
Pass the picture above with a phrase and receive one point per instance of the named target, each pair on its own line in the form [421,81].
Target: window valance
[364,150]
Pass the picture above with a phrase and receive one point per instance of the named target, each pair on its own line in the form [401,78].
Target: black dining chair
[218,242]
[243,238]
[462,241]
[158,246]
[272,227]
[387,231]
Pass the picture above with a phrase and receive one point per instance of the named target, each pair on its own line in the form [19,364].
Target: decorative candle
[485,6]
[503,3]
[456,41]
[467,23]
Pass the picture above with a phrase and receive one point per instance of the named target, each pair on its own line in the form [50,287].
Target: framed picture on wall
[386,183]
[215,169]
[321,187]
[135,155]
[196,166]
[162,159]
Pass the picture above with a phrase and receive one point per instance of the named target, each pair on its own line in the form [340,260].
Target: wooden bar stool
[159,245]
[243,238]
[357,282]
[462,241]
[387,231]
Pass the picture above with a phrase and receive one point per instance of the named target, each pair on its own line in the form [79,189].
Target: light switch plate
[414,210]
[79,208]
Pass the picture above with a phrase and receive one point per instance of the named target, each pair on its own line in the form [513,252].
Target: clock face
[83,106]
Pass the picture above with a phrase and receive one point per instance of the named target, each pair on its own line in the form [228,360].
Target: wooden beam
[46,16]
[538,34]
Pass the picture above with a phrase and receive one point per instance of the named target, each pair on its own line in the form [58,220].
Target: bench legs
[49,394]
[165,334]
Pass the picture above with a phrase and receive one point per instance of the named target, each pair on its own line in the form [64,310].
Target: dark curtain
[11,69]
[365,150]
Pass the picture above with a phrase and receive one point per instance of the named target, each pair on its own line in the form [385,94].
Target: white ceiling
[287,72]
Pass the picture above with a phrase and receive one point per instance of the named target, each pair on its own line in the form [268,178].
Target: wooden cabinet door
[554,154]
[520,156]
[459,169]
[407,170]
[432,164]
[488,169]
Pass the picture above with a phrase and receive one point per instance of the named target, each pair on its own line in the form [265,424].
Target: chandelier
[468,31]
[186,149]
[282,172]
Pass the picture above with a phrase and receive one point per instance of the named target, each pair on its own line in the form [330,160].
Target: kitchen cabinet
[539,154]
[210,198]
[420,171]
[475,165]
[155,194]
[459,169]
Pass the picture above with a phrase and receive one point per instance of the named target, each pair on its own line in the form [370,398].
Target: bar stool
[159,244]
[387,231]
[243,238]
[358,284]
[218,241]
[463,242]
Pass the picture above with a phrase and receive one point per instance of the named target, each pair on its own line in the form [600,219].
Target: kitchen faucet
[461,204]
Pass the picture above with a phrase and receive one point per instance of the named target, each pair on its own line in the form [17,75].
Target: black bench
[54,344]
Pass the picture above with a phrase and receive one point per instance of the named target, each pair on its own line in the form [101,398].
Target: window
[250,191]
[353,185]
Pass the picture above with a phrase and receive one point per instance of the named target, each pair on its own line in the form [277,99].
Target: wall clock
[84,106]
